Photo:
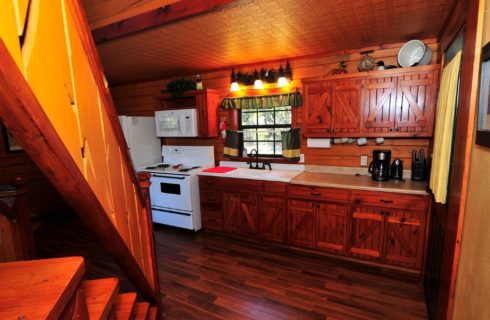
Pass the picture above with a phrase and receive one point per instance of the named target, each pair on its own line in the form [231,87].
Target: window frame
[275,126]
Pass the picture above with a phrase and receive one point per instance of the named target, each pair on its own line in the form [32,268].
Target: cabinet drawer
[318,193]
[211,213]
[230,184]
[207,182]
[210,198]
[272,187]
[389,200]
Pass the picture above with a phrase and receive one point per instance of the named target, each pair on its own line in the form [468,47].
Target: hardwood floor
[211,276]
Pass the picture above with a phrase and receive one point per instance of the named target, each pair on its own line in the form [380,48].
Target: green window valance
[293,99]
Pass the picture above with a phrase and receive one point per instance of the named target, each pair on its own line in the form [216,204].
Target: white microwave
[176,123]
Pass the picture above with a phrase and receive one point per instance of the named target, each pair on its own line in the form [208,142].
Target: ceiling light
[258,82]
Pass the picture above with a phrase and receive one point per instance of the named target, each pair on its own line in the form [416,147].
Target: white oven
[171,191]
[174,189]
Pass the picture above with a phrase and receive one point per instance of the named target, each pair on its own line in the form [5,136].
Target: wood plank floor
[210,276]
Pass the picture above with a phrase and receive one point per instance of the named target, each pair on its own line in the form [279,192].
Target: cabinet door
[405,236]
[317,117]
[301,221]
[248,223]
[272,218]
[367,232]
[379,105]
[346,105]
[415,105]
[231,212]
[330,227]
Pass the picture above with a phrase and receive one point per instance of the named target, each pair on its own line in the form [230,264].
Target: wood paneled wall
[138,100]
[42,197]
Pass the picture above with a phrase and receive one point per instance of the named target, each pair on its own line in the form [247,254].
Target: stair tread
[38,289]
[152,314]
[124,307]
[141,311]
[100,296]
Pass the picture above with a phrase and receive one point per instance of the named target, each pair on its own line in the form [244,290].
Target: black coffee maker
[380,166]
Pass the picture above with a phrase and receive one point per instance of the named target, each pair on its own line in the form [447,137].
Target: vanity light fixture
[281,78]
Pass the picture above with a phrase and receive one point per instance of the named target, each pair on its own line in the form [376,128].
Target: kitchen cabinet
[272,211]
[331,227]
[389,228]
[389,103]
[332,107]
[317,218]
[211,203]
[380,227]
[301,223]
[401,104]
[317,107]
[240,207]
[205,102]
[366,233]
[346,106]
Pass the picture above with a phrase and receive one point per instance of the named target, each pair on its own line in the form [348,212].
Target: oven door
[171,192]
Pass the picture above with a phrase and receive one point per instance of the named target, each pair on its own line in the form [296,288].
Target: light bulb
[282,82]
[234,87]
[258,84]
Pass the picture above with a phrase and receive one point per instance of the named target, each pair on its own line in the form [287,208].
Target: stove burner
[188,169]
[163,165]
[150,168]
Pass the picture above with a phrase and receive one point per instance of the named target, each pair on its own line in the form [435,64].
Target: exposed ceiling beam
[177,11]
[101,13]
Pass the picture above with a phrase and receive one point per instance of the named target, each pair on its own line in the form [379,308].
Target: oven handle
[170,177]
[174,212]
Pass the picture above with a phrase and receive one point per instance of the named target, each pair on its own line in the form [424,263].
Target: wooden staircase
[55,289]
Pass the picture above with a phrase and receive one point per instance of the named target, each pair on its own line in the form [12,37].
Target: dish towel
[231,143]
[291,143]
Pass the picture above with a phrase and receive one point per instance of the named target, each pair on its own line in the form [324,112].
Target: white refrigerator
[144,146]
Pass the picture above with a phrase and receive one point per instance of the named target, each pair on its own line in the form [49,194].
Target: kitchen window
[261,129]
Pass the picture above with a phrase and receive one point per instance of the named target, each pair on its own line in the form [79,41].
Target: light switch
[364,160]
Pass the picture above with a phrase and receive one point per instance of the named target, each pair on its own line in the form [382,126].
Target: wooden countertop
[359,182]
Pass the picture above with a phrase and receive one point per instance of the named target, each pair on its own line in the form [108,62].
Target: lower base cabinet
[331,227]
[301,223]
[380,227]
[272,218]
[366,237]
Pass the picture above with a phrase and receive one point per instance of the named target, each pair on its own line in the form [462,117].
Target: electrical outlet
[364,160]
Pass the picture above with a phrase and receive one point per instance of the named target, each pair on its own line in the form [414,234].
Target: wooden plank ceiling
[250,31]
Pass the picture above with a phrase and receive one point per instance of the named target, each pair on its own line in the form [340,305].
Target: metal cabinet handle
[316,194]
[211,198]
[386,201]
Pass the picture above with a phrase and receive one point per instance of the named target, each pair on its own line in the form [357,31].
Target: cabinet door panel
[366,233]
[301,221]
[379,105]
[231,212]
[317,108]
[272,218]
[405,233]
[248,223]
[331,227]
[346,105]
[416,103]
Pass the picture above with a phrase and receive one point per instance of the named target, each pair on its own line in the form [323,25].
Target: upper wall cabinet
[204,101]
[388,103]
